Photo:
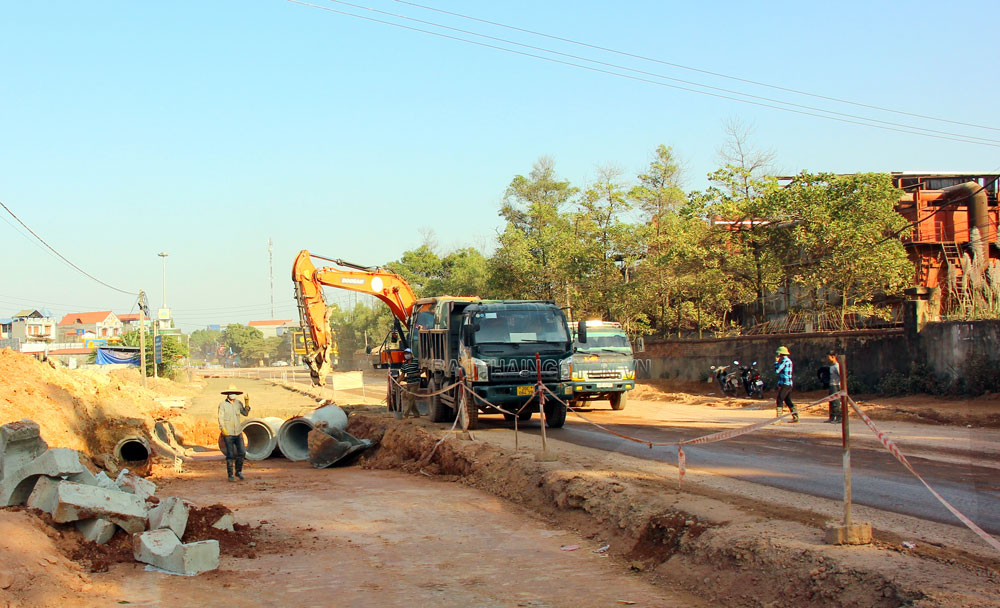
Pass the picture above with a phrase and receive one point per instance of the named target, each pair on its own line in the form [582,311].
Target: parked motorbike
[728,377]
[753,384]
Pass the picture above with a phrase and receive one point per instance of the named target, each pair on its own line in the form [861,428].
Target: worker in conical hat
[231,411]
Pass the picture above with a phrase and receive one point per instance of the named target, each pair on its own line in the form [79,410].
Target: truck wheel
[468,413]
[555,415]
[437,411]
[525,414]
[618,401]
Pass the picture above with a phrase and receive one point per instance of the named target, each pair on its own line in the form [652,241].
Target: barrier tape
[894,450]
[434,394]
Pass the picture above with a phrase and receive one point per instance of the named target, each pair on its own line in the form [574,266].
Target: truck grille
[526,378]
[604,374]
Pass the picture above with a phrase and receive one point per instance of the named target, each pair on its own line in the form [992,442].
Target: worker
[410,373]
[783,369]
[833,385]
[230,411]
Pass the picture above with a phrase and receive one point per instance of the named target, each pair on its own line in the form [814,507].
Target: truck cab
[603,366]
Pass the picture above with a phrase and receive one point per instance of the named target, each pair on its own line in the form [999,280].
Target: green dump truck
[603,364]
[500,346]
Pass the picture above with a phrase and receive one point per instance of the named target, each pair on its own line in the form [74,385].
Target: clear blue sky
[204,128]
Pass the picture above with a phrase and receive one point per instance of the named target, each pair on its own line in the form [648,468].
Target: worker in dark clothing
[231,411]
[784,369]
[410,373]
[833,386]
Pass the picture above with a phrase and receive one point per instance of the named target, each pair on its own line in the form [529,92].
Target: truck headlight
[566,369]
[628,374]
[480,370]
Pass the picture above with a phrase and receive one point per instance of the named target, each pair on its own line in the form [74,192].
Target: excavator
[315,315]
[500,349]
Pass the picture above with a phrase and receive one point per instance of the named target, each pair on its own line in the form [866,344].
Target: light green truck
[603,366]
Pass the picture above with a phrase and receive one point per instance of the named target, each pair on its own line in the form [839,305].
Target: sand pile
[85,410]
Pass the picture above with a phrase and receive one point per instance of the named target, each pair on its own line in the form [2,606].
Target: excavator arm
[315,315]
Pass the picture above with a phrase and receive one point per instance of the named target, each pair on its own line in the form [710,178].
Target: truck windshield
[519,326]
[614,342]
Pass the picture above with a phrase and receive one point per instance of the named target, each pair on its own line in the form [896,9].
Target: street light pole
[163,255]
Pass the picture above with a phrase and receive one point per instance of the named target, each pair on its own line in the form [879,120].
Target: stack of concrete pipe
[290,437]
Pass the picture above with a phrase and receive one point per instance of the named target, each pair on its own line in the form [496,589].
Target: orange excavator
[315,315]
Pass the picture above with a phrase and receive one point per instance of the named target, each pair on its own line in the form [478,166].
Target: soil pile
[85,410]
[33,569]
[732,555]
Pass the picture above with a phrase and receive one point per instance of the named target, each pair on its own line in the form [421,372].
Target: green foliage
[174,351]
[360,326]
[205,343]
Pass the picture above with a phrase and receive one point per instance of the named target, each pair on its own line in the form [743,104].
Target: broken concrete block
[20,443]
[225,522]
[171,513]
[67,501]
[103,481]
[97,530]
[133,484]
[57,462]
[161,548]
[85,477]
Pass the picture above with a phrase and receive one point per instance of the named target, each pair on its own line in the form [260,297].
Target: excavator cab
[389,354]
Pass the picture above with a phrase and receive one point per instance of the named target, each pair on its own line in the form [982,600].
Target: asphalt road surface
[807,464]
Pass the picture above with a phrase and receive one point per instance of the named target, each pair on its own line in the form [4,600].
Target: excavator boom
[315,315]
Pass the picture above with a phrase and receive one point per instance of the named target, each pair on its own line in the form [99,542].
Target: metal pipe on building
[974,196]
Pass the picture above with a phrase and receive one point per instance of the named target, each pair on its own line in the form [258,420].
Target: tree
[245,341]
[171,354]
[842,237]
[205,343]
[530,261]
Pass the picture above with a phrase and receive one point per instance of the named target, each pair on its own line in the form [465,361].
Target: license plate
[605,384]
[525,390]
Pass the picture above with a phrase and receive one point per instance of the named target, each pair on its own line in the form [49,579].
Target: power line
[61,256]
[693,69]
[655,75]
[859,121]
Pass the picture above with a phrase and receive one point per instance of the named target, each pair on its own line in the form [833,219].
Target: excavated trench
[726,562]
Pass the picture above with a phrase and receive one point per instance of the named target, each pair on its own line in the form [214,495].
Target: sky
[203,129]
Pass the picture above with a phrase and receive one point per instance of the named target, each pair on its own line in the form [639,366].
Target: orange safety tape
[437,392]
[891,446]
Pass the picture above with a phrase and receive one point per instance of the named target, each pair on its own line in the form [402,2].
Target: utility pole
[142,336]
[270,261]
[163,255]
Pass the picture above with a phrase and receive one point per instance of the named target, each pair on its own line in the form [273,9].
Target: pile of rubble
[56,482]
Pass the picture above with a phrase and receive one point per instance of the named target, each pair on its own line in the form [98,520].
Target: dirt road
[351,537]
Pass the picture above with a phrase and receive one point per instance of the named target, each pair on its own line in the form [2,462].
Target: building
[274,327]
[33,325]
[945,210]
[79,326]
[130,322]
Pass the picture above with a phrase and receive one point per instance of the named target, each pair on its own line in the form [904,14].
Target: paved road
[808,464]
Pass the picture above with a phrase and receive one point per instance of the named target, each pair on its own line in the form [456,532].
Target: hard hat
[407,350]
[232,390]
[782,350]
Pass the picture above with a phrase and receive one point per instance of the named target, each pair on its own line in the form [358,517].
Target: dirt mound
[701,544]
[241,542]
[85,410]
[34,571]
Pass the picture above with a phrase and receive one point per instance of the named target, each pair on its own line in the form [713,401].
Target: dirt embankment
[88,411]
[710,547]
[982,411]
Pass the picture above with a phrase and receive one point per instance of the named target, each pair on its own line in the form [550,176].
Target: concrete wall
[944,347]
[948,347]
[869,353]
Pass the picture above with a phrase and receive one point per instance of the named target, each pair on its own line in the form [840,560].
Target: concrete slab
[67,501]
[103,481]
[162,549]
[57,462]
[133,484]
[20,443]
[225,522]
[171,513]
[854,534]
[97,530]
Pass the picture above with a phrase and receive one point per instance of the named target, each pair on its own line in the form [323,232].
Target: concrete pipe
[134,453]
[331,414]
[293,438]
[261,437]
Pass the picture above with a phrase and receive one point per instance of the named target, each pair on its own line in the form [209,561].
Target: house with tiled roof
[130,322]
[273,327]
[77,326]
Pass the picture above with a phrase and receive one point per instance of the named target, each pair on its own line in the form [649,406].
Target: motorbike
[753,384]
[728,377]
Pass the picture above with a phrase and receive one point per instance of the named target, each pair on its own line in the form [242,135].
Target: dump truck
[496,350]
[603,365]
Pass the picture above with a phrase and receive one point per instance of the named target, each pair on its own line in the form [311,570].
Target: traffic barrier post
[849,533]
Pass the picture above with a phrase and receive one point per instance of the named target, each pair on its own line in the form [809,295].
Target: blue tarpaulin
[106,356]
